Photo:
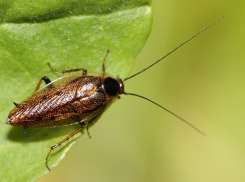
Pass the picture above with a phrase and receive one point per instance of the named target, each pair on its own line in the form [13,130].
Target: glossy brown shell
[65,101]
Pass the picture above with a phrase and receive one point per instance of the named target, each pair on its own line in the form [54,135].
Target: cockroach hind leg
[61,142]
[15,104]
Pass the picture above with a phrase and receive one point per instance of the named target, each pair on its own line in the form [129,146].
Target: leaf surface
[68,34]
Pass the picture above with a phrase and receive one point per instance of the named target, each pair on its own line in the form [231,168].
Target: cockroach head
[113,86]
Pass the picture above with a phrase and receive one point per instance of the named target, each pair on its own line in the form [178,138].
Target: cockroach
[75,99]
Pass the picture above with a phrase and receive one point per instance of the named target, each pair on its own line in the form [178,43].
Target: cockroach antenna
[174,49]
[167,111]
[159,61]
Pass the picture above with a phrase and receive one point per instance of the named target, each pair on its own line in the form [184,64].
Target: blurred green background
[202,82]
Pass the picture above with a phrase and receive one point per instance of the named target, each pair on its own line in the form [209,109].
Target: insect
[75,99]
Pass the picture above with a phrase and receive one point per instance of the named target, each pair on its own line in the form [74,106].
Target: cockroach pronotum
[75,99]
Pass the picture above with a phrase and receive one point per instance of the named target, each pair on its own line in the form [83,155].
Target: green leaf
[68,34]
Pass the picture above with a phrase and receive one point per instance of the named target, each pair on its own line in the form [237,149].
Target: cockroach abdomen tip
[8,121]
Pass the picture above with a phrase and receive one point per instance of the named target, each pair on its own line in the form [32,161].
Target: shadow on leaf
[35,135]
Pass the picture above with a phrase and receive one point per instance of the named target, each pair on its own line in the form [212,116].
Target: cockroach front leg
[103,63]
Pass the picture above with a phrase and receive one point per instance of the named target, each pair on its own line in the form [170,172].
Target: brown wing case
[69,103]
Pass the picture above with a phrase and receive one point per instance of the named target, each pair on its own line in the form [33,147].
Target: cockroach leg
[84,72]
[88,131]
[64,140]
[82,125]
[68,71]
[15,104]
[103,63]
[46,80]
[92,120]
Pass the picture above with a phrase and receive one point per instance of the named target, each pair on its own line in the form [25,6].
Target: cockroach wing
[65,101]
[62,81]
